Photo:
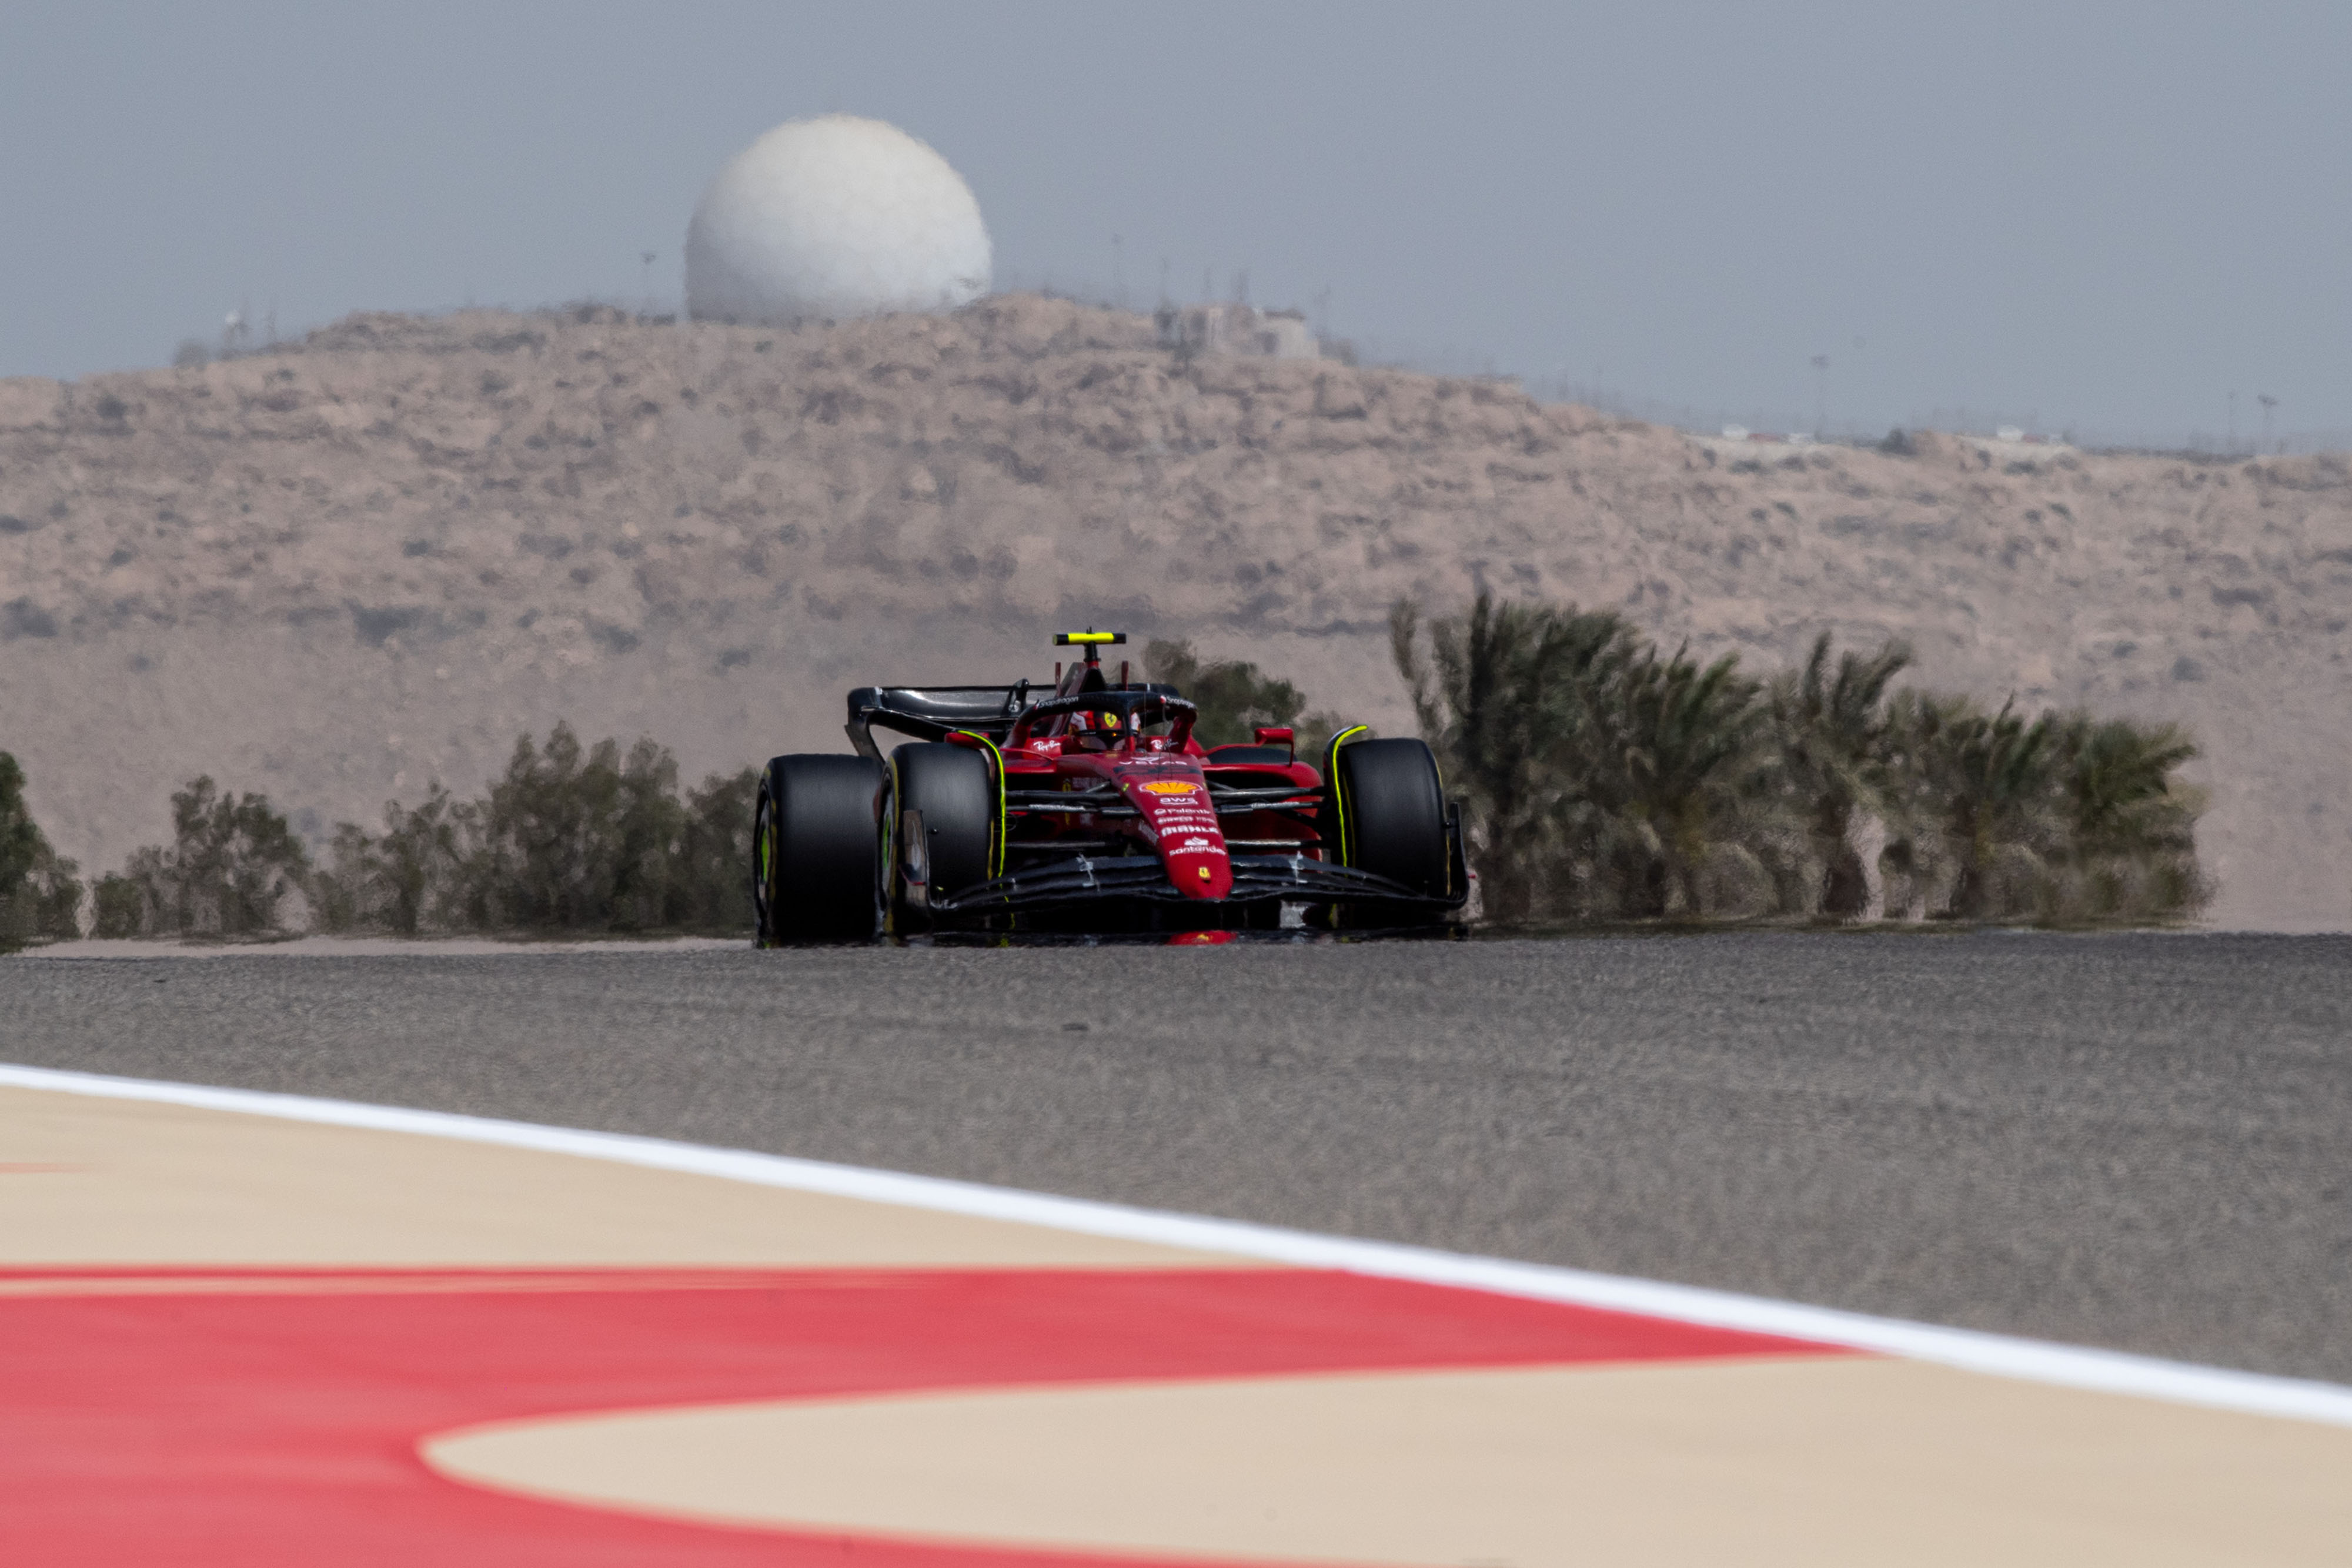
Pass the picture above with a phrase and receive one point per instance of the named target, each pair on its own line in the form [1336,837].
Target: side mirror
[1278,735]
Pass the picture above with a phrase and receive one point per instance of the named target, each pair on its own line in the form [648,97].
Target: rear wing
[934,713]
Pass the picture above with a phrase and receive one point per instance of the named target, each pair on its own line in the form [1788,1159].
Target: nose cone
[1174,797]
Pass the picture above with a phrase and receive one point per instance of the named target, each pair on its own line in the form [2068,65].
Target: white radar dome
[836,216]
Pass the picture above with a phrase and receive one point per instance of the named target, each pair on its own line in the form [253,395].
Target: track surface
[2141,1142]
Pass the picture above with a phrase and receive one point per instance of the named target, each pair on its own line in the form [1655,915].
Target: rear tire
[1391,809]
[816,851]
[950,793]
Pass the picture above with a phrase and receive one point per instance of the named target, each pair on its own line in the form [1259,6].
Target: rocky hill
[336,571]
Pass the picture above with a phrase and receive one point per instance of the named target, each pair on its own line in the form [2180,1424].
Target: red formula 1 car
[1093,809]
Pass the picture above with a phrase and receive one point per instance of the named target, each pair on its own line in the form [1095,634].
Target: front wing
[1257,880]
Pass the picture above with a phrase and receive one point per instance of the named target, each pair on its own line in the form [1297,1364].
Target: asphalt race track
[2137,1141]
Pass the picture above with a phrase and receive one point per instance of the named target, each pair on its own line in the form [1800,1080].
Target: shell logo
[1169,787]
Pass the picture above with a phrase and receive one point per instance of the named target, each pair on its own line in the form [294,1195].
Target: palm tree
[1607,779]
[1679,750]
[1985,780]
[1502,695]
[2116,777]
[2131,826]
[1833,734]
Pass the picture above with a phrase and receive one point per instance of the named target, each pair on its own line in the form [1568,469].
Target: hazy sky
[2102,216]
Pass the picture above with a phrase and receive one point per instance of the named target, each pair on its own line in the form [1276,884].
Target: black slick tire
[948,794]
[1391,811]
[816,851]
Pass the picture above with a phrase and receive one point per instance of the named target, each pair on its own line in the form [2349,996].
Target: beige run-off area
[335,571]
[98,1183]
[1774,1464]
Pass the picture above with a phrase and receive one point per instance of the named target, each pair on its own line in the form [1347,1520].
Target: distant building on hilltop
[1236,330]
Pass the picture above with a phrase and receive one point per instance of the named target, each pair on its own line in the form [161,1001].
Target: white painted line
[1999,1355]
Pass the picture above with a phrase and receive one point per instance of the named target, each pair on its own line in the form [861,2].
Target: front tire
[816,851]
[1391,811]
[947,803]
